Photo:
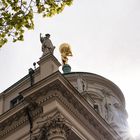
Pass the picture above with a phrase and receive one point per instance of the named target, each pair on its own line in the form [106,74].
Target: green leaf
[16,16]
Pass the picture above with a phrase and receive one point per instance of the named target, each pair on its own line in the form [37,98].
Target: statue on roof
[65,51]
[47,46]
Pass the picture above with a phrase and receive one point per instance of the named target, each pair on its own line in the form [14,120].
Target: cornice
[78,103]
[17,119]
[98,125]
[12,111]
[63,91]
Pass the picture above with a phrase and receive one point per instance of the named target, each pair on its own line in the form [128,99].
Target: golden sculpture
[65,51]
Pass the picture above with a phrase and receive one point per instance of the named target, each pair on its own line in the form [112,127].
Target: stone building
[49,105]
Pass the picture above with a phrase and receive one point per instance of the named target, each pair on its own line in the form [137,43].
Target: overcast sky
[105,39]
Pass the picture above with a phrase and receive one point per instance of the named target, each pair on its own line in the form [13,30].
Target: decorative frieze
[18,119]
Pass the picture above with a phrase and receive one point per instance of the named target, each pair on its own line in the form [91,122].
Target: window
[16,100]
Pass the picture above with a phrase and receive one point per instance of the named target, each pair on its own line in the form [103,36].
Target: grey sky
[105,39]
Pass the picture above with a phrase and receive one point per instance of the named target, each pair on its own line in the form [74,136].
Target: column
[56,128]
[53,127]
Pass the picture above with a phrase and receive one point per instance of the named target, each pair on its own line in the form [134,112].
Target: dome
[94,83]
[104,96]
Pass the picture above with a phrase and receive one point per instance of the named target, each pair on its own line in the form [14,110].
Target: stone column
[57,128]
[54,127]
[57,134]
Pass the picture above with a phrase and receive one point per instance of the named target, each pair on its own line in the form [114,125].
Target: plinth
[66,68]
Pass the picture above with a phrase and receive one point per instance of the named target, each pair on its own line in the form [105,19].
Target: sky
[105,39]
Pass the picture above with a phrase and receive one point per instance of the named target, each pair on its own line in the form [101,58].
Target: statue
[82,85]
[47,46]
[65,51]
[115,114]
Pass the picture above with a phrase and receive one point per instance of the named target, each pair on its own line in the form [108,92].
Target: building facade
[49,105]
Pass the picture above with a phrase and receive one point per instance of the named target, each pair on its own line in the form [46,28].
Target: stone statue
[47,46]
[115,114]
[82,85]
[65,51]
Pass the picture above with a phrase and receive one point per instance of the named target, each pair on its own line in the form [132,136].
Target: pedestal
[66,68]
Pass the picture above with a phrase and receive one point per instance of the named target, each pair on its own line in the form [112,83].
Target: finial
[65,51]
[47,46]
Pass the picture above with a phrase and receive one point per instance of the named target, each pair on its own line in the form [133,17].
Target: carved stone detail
[56,124]
[19,118]
[115,113]
[52,128]
[81,84]
[75,107]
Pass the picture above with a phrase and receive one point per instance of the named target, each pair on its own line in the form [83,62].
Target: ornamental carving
[19,118]
[57,90]
[75,107]
[52,126]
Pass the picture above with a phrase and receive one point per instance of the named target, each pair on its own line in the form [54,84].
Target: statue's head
[47,35]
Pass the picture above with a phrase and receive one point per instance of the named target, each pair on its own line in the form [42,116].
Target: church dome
[104,96]
[89,82]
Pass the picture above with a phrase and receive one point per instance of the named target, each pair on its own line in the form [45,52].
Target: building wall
[82,99]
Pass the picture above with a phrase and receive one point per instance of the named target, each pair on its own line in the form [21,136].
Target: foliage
[17,15]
